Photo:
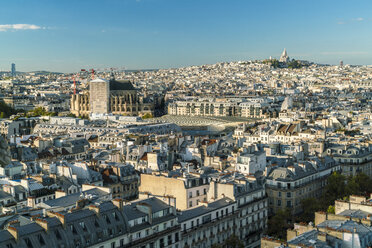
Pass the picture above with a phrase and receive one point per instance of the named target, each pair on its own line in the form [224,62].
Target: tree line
[338,187]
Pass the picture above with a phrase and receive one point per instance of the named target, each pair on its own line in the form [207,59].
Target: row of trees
[5,110]
[338,187]
[294,64]
[273,62]
[39,111]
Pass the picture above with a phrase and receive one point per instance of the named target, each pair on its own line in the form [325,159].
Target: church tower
[284,58]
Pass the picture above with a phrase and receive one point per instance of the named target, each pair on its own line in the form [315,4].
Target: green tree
[40,111]
[6,110]
[279,223]
[309,207]
[147,116]
[335,189]
[294,64]
[233,242]
[331,209]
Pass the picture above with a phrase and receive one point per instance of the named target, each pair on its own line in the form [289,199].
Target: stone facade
[116,97]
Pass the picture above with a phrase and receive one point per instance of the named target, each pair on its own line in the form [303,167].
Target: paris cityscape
[113,135]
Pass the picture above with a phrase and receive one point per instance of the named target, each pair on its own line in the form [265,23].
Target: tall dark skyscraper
[13,70]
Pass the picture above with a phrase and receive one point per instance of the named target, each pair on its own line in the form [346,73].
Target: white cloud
[359,19]
[13,27]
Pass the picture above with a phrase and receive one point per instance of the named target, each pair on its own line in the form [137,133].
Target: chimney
[59,216]
[14,232]
[95,209]
[146,209]
[43,223]
[60,193]
[119,203]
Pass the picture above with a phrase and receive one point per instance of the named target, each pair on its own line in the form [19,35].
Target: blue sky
[69,35]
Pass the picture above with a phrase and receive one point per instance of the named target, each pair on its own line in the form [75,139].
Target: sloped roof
[121,85]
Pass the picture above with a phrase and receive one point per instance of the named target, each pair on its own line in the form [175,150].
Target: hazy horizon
[66,36]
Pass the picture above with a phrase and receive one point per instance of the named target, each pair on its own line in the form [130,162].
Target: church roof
[121,85]
[284,54]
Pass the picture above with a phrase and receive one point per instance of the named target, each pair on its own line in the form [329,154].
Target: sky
[70,35]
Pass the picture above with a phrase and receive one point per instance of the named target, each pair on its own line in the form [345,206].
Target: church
[118,97]
[284,57]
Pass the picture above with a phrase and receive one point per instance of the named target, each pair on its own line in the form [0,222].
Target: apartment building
[288,186]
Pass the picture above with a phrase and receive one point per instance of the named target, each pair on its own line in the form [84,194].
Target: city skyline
[149,34]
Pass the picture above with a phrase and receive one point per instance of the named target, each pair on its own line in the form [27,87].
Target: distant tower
[13,71]
[341,63]
[284,58]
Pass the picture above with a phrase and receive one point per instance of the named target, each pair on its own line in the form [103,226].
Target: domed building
[284,57]
[113,96]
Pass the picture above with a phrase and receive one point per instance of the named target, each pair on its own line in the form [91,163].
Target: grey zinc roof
[156,204]
[355,213]
[309,239]
[28,229]
[349,225]
[69,200]
[4,194]
[5,236]
[201,210]
[78,215]
[285,174]
[121,85]
[132,213]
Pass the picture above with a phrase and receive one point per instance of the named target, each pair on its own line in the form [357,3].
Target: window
[197,193]
[190,204]
[205,191]
[113,245]
[83,226]
[73,230]
[288,194]
[279,202]
[121,242]
[279,194]
[289,203]
[190,194]
[116,216]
